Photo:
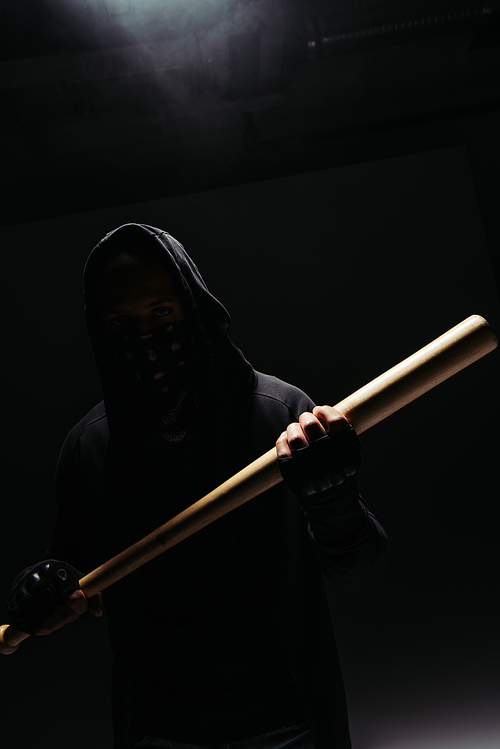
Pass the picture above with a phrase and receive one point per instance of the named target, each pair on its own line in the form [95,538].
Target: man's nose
[144,326]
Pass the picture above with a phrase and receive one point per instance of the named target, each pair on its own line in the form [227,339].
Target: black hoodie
[236,632]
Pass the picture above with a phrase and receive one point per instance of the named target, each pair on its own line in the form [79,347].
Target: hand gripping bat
[453,351]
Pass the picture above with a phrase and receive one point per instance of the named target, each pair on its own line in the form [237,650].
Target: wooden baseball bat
[431,365]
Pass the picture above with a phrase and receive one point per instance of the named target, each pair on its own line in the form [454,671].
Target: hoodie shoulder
[277,395]
[92,429]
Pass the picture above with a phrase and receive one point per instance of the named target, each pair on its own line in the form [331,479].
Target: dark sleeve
[349,542]
[69,539]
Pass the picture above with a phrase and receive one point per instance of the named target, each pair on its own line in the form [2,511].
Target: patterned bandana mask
[158,361]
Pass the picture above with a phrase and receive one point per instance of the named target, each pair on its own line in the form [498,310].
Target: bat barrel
[453,351]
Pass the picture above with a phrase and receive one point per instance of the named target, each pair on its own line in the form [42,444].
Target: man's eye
[122,320]
[161,311]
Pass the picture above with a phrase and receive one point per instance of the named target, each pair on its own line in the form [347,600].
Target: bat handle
[10,638]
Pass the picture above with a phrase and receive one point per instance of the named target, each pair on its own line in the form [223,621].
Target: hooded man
[236,644]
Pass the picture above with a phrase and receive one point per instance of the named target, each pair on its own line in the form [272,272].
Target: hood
[190,286]
[226,373]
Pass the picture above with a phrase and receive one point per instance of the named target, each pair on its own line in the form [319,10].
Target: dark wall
[331,277]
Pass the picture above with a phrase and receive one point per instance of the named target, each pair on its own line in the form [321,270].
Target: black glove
[322,468]
[38,591]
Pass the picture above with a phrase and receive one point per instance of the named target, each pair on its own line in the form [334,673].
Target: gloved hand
[40,593]
[318,455]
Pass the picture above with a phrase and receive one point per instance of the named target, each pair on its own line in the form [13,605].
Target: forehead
[129,279]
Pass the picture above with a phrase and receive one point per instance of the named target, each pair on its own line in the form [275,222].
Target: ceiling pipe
[324,40]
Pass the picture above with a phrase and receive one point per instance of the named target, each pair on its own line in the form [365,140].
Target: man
[235,642]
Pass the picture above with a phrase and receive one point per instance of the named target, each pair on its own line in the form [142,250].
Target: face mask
[158,361]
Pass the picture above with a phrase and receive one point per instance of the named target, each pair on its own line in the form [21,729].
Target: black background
[332,275]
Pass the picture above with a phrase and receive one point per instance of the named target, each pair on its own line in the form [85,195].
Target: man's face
[136,299]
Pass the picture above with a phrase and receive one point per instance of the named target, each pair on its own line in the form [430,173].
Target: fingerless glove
[324,466]
[38,591]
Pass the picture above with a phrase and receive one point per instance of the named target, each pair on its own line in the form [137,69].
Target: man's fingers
[75,605]
[291,439]
[80,603]
[331,419]
[310,427]
[299,434]
[282,446]
[48,627]
[63,615]
[295,436]
[77,602]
